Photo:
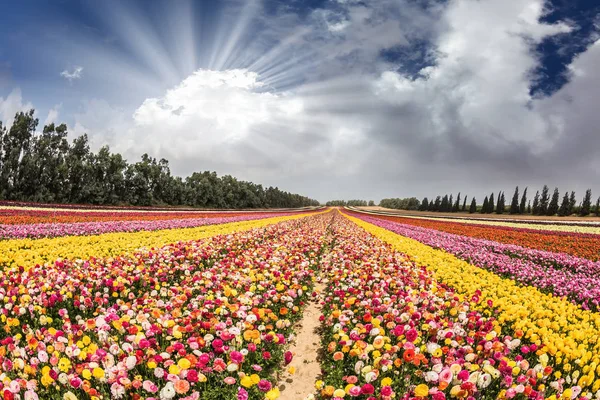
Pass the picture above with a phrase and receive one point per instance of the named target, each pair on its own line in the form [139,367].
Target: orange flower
[182,386]
[408,355]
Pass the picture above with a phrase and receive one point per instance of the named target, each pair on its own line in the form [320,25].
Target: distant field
[483,216]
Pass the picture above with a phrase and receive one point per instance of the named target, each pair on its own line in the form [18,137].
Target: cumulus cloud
[53,114]
[11,105]
[76,73]
[323,113]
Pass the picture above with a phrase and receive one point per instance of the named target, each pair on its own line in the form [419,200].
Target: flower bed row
[29,252]
[19,216]
[560,274]
[565,331]
[203,319]
[48,230]
[577,244]
[392,331]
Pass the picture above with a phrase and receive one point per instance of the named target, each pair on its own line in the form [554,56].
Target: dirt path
[305,348]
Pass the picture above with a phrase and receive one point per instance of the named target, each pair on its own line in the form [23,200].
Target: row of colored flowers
[49,230]
[18,216]
[580,226]
[564,331]
[29,252]
[576,244]
[561,274]
[206,319]
[391,331]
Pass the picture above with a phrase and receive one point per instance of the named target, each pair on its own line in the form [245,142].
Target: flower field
[210,311]
[585,245]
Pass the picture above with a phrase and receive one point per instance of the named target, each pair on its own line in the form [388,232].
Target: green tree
[501,206]
[473,207]
[598,207]
[553,205]
[586,205]
[456,204]
[514,204]
[564,206]
[464,206]
[572,203]
[16,145]
[491,204]
[544,200]
[523,202]
[536,203]
[484,207]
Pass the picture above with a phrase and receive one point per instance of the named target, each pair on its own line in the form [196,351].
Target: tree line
[543,204]
[45,167]
[349,203]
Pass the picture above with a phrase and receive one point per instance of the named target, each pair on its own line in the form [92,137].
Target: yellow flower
[174,369]
[64,364]
[339,393]
[98,373]
[69,396]
[246,381]
[386,381]
[273,394]
[422,390]
[319,384]
[86,374]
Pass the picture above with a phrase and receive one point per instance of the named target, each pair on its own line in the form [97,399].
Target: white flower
[117,391]
[130,362]
[168,392]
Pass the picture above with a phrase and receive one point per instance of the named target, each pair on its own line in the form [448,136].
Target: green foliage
[536,204]
[44,167]
[586,205]
[349,203]
[409,203]
[544,199]
[553,205]
[565,207]
[485,206]
[523,201]
[473,207]
[514,204]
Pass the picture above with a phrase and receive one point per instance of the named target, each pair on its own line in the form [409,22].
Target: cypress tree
[553,205]
[424,204]
[536,203]
[586,205]
[514,204]
[491,204]
[473,207]
[564,206]
[598,207]
[501,206]
[464,207]
[457,204]
[449,205]
[485,205]
[523,201]
[544,199]
[572,203]
[444,205]
[529,207]
[438,204]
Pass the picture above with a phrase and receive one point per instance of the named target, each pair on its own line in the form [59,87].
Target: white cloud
[12,105]
[53,114]
[76,73]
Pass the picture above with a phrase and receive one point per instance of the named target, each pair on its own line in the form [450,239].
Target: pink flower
[150,387]
[229,380]
[288,356]
[264,385]
[242,394]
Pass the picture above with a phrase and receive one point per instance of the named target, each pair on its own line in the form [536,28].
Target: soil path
[305,349]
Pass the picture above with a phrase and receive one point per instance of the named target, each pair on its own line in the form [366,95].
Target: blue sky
[332,98]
